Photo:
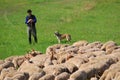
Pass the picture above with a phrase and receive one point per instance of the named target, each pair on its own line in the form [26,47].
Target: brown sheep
[71,67]
[37,76]
[117,76]
[62,76]
[111,73]
[78,61]
[17,61]
[39,60]
[6,65]
[29,68]
[109,46]
[55,69]
[93,78]
[21,76]
[55,47]
[80,43]
[2,61]
[96,44]
[78,75]
[48,77]
[9,72]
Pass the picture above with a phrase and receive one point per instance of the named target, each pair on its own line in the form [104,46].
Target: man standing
[30,21]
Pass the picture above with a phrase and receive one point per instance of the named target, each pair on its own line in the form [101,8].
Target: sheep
[55,62]
[117,76]
[97,66]
[109,46]
[62,76]
[29,68]
[21,76]
[62,58]
[10,58]
[96,44]
[91,47]
[2,61]
[71,67]
[55,69]
[12,74]
[48,77]
[80,43]
[39,60]
[78,75]
[54,47]
[93,78]
[111,73]
[78,61]
[117,50]
[108,74]
[7,72]
[48,62]
[71,49]
[6,65]
[88,49]
[8,78]
[37,76]
[17,61]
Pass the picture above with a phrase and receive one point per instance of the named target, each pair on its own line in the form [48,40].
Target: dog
[62,36]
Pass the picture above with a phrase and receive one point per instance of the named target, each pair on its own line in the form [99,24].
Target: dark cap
[29,11]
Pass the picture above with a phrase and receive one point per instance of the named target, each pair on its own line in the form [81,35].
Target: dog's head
[56,33]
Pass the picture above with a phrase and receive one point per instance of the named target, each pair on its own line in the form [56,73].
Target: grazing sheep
[111,73]
[10,58]
[62,76]
[93,78]
[7,72]
[109,46]
[55,69]
[2,61]
[8,78]
[55,47]
[29,68]
[117,50]
[77,61]
[62,58]
[71,67]
[117,76]
[17,61]
[96,44]
[17,76]
[78,75]
[21,76]
[48,77]
[80,43]
[37,76]
[6,65]
[48,62]
[39,60]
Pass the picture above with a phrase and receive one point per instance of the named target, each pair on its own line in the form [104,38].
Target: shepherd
[31,21]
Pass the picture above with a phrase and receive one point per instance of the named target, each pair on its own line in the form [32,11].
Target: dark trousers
[32,31]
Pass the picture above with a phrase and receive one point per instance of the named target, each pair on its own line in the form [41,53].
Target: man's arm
[34,19]
[26,20]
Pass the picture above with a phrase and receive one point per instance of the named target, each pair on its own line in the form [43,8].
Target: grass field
[92,20]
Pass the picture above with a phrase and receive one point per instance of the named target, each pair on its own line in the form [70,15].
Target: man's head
[29,11]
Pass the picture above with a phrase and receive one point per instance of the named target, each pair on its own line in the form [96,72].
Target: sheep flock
[80,61]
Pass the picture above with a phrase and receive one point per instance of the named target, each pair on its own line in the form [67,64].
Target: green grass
[92,20]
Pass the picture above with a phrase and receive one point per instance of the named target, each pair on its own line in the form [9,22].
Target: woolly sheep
[62,76]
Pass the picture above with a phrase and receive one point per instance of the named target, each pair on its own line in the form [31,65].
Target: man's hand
[30,20]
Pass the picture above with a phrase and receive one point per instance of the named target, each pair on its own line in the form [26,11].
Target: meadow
[91,20]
